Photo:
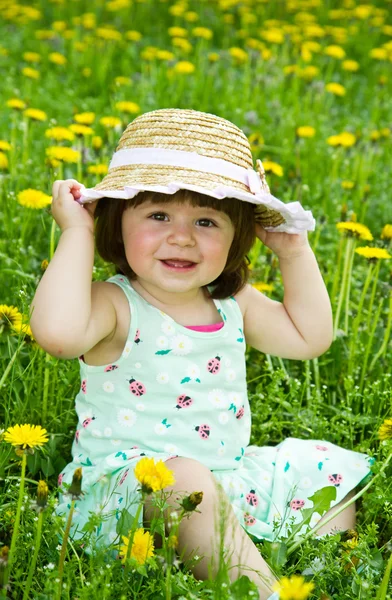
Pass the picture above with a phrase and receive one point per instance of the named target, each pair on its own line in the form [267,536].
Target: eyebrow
[150,205]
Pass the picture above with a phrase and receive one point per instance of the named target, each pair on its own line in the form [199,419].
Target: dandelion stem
[349,247]
[334,514]
[17,516]
[357,320]
[9,366]
[386,336]
[46,388]
[37,544]
[131,536]
[369,345]
[64,546]
[372,296]
[337,270]
[383,589]
[350,268]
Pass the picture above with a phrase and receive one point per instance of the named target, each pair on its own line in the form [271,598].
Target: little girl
[161,344]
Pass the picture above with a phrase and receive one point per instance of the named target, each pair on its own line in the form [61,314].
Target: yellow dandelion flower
[165,55]
[177,32]
[44,264]
[23,329]
[16,103]
[59,26]
[59,134]
[57,58]
[335,51]
[97,142]
[26,436]
[272,167]
[345,139]
[86,72]
[44,34]
[10,317]
[373,254]
[153,476]
[133,36]
[385,132]
[378,53]
[97,169]
[142,546]
[61,153]
[4,164]
[385,431]
[308,73]
[128,107]
[81,130]
[238,54]
[350,65]
[203,32]
[293,588]
[110,122]
[305,131]
[36,114]
[108,34]
[31,73]
[213,56]
[84,118]
[386,233]
[184,67]
[336,88]
[355,230]
[347,185]
[263,287]
[31,57]
[4,145]
[121,80]
[42,494]
[33,198]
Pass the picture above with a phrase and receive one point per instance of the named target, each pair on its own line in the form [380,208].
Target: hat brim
[296,218]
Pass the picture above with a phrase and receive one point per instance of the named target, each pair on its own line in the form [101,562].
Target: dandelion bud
[3,567]
[190,503]
[75,489]
[42,494]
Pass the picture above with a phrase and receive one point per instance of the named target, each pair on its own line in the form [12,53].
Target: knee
[191,476]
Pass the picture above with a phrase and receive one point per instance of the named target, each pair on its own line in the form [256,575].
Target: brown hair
[110,246]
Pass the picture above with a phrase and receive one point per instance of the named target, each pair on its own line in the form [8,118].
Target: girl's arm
[302,326]
[68,319]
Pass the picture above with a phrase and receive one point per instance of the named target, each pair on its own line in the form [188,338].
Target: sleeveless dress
[181,391]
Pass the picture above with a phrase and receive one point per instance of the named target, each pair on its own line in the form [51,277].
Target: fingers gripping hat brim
[172,149]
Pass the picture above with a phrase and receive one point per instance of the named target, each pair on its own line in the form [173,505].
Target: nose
[181,234]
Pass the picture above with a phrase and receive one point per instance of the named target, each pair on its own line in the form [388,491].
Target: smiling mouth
[178,264]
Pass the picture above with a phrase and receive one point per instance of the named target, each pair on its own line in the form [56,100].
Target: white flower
[49,566]
[235,398]
[170,448]
[181,344]
[138,365]
[193,371]
[140,407]
[227,362]
[127,349]
[266,478]
[168,328]
[314,519]
[316,566]
[223,418]
[230,375]
[126,417]
[108,387]
[115,442]
[162,342]
[217,398]
[96,433]
[160,429]
[221,451]
[162,378]
[305,483]
[107,432]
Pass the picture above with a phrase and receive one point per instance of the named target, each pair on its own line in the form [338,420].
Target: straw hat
[170,149]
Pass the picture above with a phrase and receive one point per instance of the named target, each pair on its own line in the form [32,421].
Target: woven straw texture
[189,131]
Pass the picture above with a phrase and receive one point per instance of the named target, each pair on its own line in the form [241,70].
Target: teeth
[175,263]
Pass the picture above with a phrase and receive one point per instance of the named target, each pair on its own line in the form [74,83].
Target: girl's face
[176,248]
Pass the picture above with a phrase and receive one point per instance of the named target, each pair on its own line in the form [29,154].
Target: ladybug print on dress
[60,479]
[251,498]
[83,386]
[322,448]
[336,479]
[137,339]
[204,431]
[77,434]
[136,387]
[184,401]
[123,478]
[297,504]
[249,519]
[110,368]
[87,421]
[240,413]
[214,365]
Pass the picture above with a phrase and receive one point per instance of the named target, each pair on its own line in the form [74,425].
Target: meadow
[310,83]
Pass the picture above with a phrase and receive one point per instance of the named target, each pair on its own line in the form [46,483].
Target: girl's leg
[344,521]
[200,533]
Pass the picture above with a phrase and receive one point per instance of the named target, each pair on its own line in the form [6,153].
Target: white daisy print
[170,448]
[235,398]
[314,519]
[223,418]
[140,407]
[160,429]
[108,387]
[221,451]
[127,349]
[217,398]
[107,432]
[227,362]
[126,417]
[181,344]
[230,375]
[193,371]
[305,483]
[163,378]
[162,342]
[138,365]
[115,442]
[168,328]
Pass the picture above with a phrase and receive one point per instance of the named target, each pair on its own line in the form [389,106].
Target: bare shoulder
[242,298]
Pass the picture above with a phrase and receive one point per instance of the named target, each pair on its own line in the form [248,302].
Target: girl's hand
[66,211]
[285,245]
